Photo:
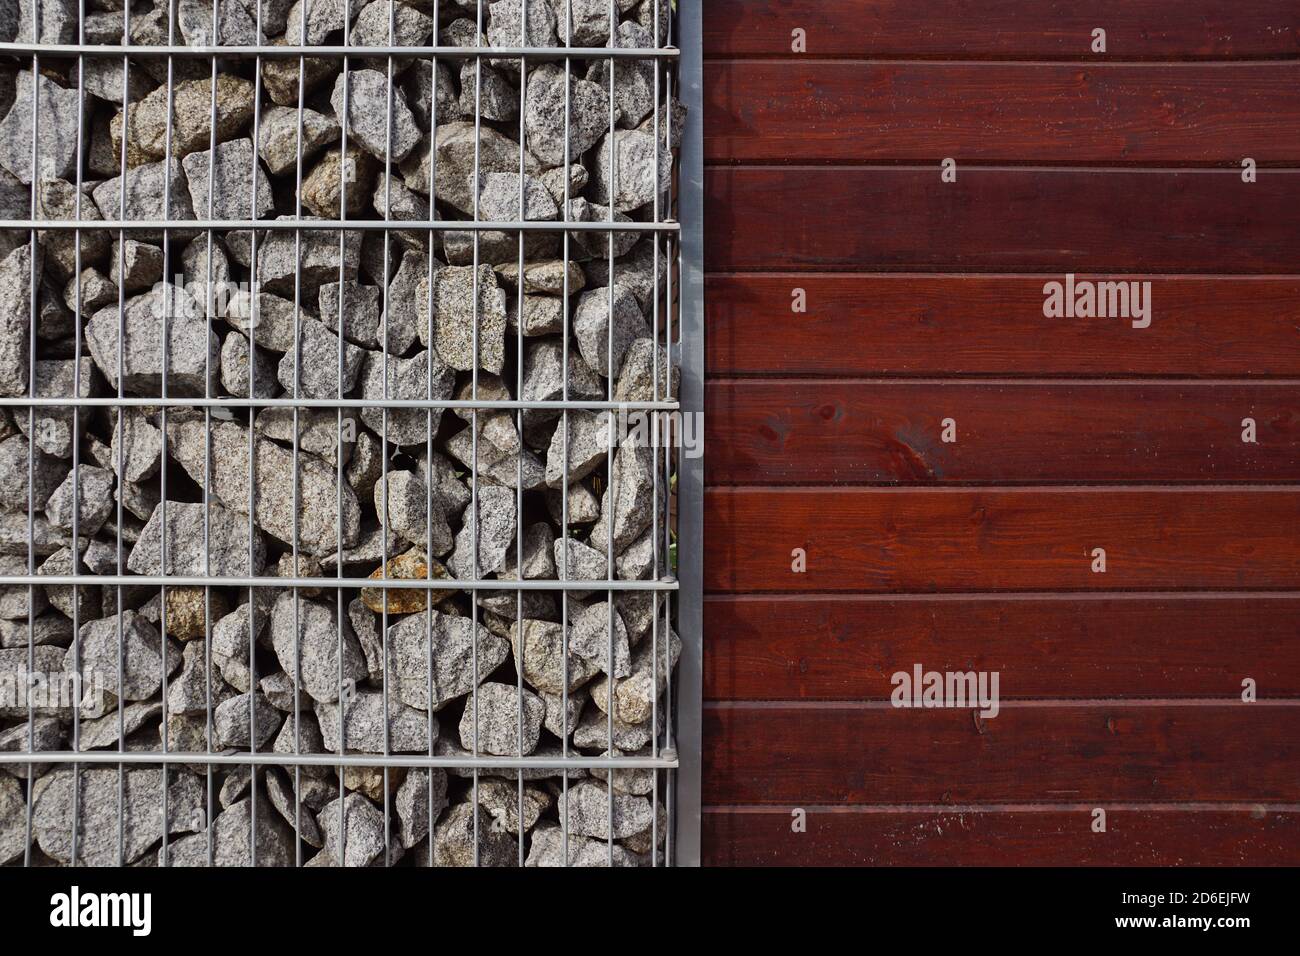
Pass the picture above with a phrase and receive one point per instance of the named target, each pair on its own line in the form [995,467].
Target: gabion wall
[310,495]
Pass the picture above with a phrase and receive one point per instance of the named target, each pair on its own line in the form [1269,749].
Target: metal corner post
[690,479]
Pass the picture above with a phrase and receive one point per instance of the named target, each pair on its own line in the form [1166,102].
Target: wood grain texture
[828,432]
[1066,753]
[1173,836]
[1135,29]
[1000,219]
[847,648]
[858,112]
[922,540]
[941,325]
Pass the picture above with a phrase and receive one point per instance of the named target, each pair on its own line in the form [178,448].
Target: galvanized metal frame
[679,755]
[690,475]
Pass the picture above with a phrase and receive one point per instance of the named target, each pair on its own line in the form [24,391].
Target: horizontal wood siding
[1005,29]
[957,325]
[911,461]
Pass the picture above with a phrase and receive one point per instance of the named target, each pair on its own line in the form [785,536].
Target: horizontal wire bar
[103,401]
[273,52]
[334,225]
[262,758]
[329,582]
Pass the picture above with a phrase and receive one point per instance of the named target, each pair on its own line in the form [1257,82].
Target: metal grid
[676,316]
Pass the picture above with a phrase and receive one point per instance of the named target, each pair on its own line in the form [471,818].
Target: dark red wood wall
[1119,690]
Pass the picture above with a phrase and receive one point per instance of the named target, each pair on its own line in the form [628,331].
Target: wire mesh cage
[340,408]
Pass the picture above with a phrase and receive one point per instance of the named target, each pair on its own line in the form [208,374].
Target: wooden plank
[859,112]
[825,647]
[1066,753]
[994,325]
[1165,836]
[923,540]
[1135,29]
[1000,219]
[808,432]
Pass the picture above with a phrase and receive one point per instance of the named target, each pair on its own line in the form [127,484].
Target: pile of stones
[236,490]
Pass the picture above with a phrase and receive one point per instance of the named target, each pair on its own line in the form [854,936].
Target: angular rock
[192,349]
[547,849]
[589,638]
[313,260]
[136,265]
[360,308]
[303,821]
[358,838]
[154,191]
[542,657]
[235,27]
[280,74]
[636,380]
[339,179]
[57,199]
[421,798]
[368,110]
[317,488]
[230,643]
[236,721]
[453,655]
[454,317]
[53,429]
[498,199]
[544,114]
[191,127]
[592,732]
[590,438]
[322,17]
[496,532]
[237,364]
[584,563]
[278,137]
[93,490]
[316,647]
[228,542]
[411,566]
[498,102]
[18,478]
[636,696]
[634,91]
[454,841]
[230,179]
[455,161]
[196,684]
[403,503]
[231,845]
[626,168]
[501,801]
[591,327]
[409,730]
[142,662]
[499,731]
[323,374]
[56,145]
[97,790]
[89,291]
[543,314]
[46,629]
[398,327]
[411,378]
[633,483]
[410,27]
[586,806]
[539,550]
[15,321]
